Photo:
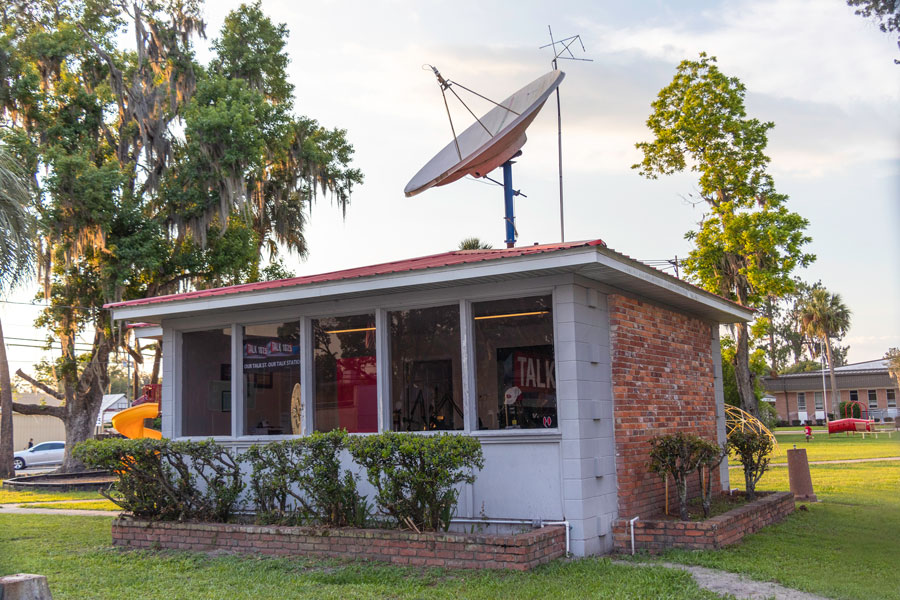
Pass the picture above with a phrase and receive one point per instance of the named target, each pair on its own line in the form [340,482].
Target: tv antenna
[562,50]
[491,141]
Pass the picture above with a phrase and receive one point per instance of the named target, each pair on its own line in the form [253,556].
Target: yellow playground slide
[130,422]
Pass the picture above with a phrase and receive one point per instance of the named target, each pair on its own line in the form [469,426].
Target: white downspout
[632,534]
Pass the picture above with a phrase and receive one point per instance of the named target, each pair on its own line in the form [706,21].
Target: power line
[36,305]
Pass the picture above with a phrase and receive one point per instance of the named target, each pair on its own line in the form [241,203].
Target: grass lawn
[86,505]
[75,554]
[845,546]
[837,446]
[8,496]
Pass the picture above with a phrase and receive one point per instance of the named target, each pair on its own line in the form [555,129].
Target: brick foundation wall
[466,551]
[663,382]
[717,532]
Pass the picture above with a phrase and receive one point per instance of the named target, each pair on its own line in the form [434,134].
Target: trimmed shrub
[415,474]
[710,456]
[301,480]
[168,481]
[679,455]
[753,450]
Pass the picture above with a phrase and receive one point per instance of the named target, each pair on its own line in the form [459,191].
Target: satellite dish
[489,142]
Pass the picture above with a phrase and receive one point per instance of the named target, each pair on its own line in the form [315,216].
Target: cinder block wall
[663,380]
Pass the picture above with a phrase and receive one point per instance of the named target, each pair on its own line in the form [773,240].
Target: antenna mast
[564,52]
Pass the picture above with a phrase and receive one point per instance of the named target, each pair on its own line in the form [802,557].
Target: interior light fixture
[524,314]
[351,330]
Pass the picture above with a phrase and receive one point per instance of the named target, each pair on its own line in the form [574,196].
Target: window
[801,401]
[892,398]
[820,401]
[206,382]
[854,396]
[426,369]
[515,370]
[346,395]
[873,399]
[271,357]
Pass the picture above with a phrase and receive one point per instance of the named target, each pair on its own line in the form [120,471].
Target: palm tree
[473,243]
[824,316]
[16,260]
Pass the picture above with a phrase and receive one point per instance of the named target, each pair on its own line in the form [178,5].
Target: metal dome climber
[740,420]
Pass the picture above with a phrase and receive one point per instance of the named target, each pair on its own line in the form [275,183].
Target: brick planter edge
[719,531]
[450,550]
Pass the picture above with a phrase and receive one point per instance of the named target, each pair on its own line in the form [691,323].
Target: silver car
[45,453]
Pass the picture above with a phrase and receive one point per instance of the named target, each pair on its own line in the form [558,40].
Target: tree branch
[40,409]
[41,386]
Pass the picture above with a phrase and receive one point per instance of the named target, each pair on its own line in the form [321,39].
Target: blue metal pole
[508,195]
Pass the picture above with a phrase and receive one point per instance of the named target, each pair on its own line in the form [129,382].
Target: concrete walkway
[17,509]
[833,462]
[724,583]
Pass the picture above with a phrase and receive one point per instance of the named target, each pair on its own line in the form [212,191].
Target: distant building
[40,428]
[800,397]
[110,405]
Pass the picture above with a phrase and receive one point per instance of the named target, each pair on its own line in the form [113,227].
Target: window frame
[801,396]
[891,398]
[382,305]
[872,399]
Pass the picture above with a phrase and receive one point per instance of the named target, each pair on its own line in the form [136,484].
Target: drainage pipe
[532,522]
[632,534]
[564,523]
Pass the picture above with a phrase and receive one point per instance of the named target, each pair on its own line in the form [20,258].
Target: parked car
[45,453]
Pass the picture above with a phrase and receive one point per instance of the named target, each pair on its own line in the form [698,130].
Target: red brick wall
[467,551]
[717,532]
[663,382]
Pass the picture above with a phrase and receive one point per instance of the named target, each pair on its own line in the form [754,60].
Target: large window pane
[426,369]
[346,386]
[206,382]
[514,361]
[271,357]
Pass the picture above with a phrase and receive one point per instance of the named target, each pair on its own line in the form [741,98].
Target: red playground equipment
[849,423]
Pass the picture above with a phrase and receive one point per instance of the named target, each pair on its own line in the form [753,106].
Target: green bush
[301,480]
[169,481]
[415,474]
[679,455]
[753,450]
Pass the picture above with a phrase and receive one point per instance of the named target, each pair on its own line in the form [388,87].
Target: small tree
[710,457]
[679,455]
[753,450]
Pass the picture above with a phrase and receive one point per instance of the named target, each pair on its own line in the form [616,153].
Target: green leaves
[753,449]
[748,243]
[415,474]
[301,480]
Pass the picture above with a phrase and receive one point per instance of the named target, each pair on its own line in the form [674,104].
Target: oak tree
[748,242]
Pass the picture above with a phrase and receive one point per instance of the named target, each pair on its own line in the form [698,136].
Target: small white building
[562,359]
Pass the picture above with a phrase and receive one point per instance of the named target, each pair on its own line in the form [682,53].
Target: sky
[823,75]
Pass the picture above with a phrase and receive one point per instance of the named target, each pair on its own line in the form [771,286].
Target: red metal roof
[445,259]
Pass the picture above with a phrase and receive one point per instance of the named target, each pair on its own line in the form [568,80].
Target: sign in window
[271,358]
[515,363]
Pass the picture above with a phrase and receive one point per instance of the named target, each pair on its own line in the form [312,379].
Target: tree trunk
[157,356]
[6,415]
[742,374]
[835,399]
[681,488]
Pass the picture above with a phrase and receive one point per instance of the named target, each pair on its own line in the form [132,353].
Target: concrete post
[798,474]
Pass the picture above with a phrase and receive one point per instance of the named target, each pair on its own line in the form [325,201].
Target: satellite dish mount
[492,141]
